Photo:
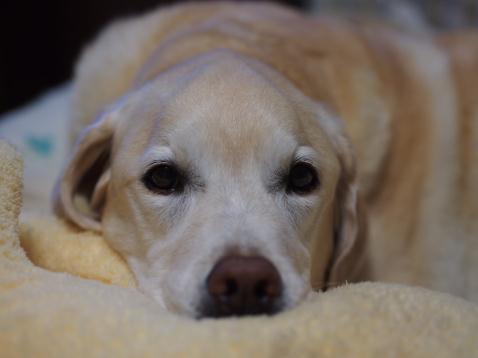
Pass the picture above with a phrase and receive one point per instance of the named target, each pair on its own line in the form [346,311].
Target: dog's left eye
[302,178]
[163,179]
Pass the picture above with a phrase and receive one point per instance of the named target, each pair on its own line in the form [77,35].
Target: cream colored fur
[233,124]
[401,96]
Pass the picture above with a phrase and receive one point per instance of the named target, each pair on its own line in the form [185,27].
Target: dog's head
[227,191]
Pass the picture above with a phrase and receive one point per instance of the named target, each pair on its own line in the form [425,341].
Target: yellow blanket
[48,314]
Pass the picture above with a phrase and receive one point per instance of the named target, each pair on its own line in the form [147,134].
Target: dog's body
[238,91]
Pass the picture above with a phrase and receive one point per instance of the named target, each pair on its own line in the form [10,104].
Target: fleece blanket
[92,308]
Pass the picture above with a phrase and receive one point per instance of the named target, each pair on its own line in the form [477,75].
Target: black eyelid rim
[156,163]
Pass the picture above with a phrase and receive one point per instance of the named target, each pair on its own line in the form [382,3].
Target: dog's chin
[210,308]
[214,308]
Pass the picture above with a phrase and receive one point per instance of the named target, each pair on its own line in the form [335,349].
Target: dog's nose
[240,285]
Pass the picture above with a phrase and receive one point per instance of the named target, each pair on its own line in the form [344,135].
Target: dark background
[40,39]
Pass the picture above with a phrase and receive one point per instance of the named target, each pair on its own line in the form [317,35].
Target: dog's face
[225,189]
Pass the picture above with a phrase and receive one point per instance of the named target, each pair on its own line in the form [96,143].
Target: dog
[239,151]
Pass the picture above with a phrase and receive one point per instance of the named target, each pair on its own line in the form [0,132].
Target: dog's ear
[348,261]
[350,228]
[81,190]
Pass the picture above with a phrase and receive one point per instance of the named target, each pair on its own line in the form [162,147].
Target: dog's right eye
[302,178]
[162,179]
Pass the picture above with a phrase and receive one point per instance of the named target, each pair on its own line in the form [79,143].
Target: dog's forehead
[223,110]
[232,114]
[220,111]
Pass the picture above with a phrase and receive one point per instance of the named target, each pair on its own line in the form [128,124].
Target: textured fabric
[47,314]
[10,202]
[53,245]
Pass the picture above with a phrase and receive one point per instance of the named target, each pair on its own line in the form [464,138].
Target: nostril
[239,285]
[231,287]
[260,290]
[265,290]
[222,287]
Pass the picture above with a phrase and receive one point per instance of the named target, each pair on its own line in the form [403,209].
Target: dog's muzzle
[241,285]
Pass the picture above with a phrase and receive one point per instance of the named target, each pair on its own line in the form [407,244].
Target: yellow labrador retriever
[220,166]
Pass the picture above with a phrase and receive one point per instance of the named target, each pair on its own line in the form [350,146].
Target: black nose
[239,285]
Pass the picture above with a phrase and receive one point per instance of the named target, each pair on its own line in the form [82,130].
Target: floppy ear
[81,190]
[348,262]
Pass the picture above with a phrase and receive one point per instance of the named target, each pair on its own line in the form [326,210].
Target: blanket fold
[51,314]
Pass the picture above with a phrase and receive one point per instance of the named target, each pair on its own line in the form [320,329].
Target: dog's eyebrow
[155,155]
[306,154]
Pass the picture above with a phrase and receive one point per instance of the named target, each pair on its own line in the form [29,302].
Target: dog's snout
[239,285]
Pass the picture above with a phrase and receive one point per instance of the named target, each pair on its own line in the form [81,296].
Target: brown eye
[302,178]
[163,179]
